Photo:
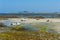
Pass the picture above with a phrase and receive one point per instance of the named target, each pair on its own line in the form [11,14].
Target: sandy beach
[35,20]
[55,21]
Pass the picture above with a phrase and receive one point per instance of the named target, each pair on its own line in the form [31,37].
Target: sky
[9,6]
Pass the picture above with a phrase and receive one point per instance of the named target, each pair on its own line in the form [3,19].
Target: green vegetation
[20,33]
